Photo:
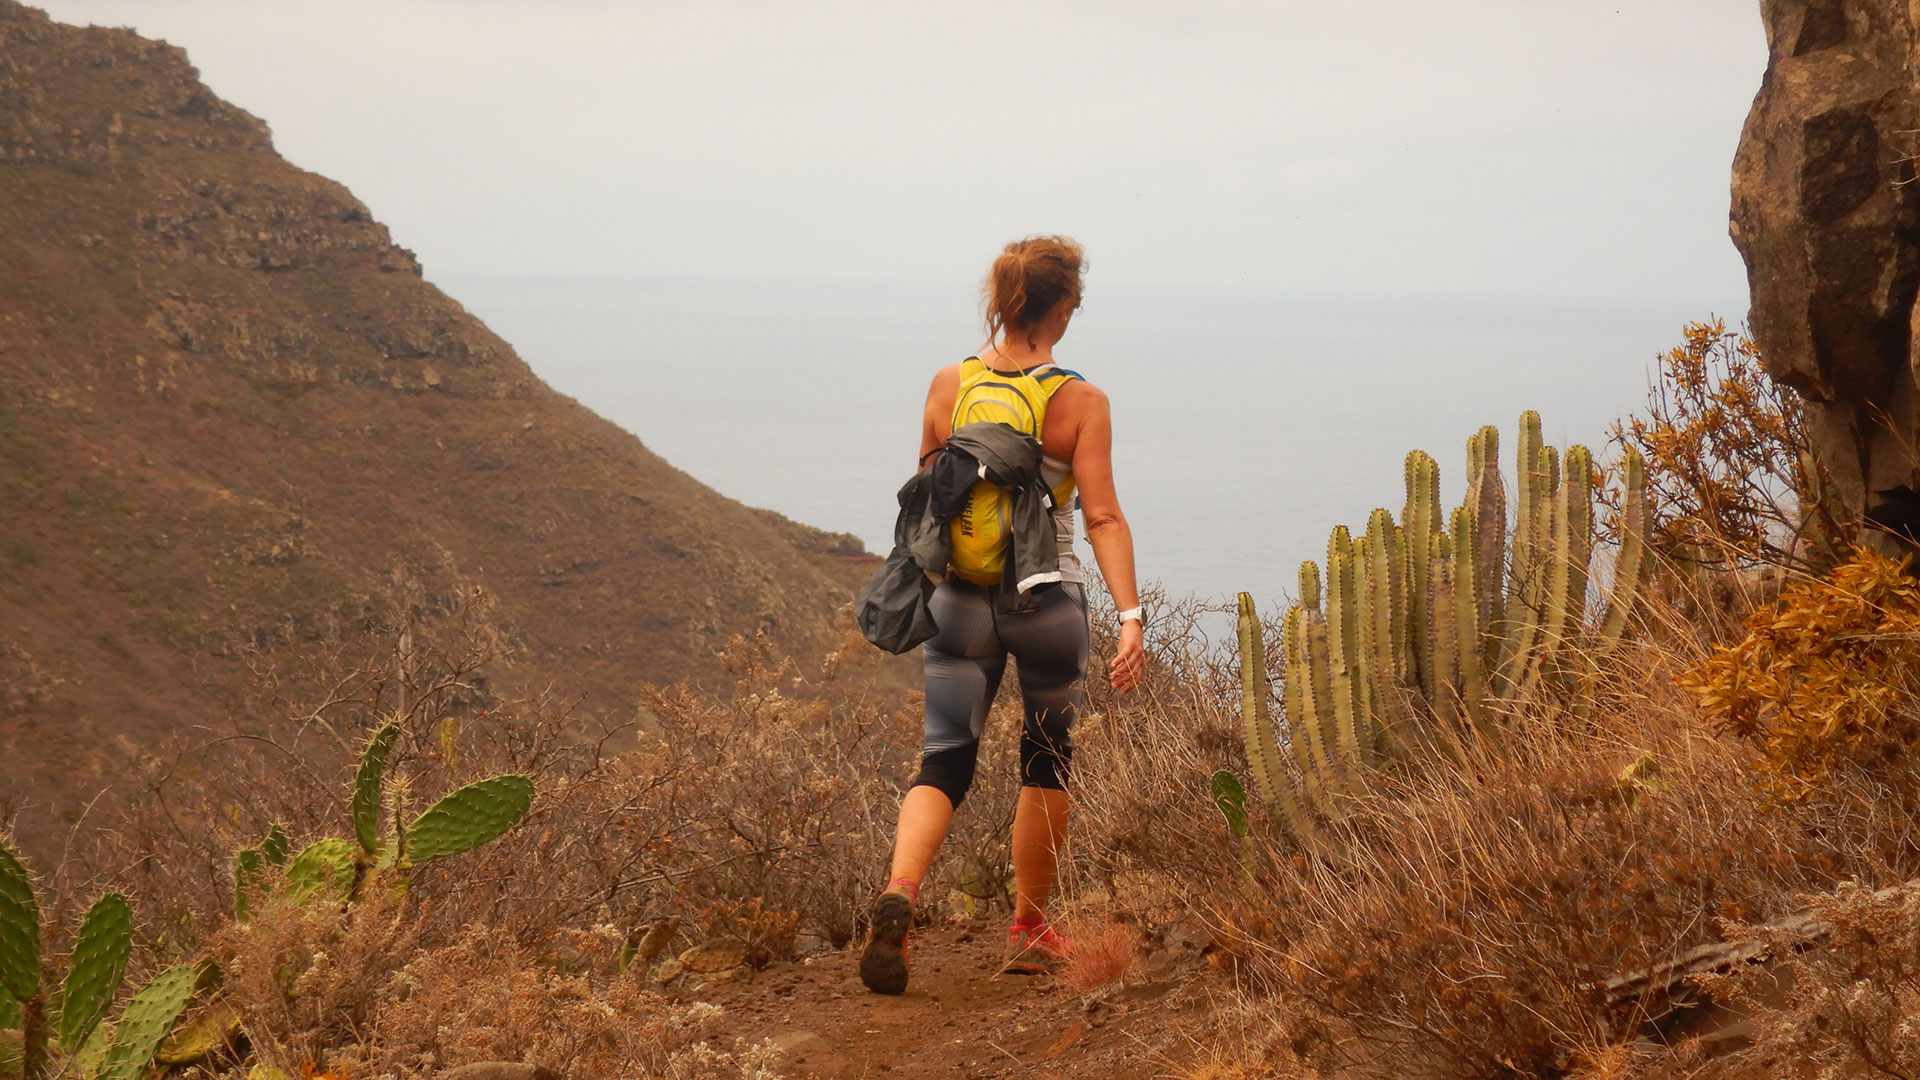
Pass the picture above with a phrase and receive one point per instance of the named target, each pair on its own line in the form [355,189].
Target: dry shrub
[310,978]
[1827,676]
[762,811]
[1837,1005]
[1475,910]
[350,992]
[1145,833]
[1731,478]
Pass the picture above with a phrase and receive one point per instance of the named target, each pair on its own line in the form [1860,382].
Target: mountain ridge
[233,414]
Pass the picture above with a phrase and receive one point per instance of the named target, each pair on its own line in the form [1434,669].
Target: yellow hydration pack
[1017,399]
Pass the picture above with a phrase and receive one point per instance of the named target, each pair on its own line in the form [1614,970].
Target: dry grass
[1103,955]
[1464,925]
[1474,910]
[354,993]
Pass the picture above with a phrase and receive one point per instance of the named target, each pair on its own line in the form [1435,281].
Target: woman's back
[1067,411]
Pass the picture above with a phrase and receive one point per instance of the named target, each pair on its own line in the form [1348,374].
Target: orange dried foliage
[1100,958]
[1729,474]
[1827,675]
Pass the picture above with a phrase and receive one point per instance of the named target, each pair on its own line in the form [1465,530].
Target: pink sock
[1030,921]
[912,887]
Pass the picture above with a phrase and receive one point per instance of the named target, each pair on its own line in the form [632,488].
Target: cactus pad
[213,1029]
[248,865]
[19,929]
[146,1020]
[276,848]
[99,959]
[366,785]
[324,865]
[1230,799]
[470,816]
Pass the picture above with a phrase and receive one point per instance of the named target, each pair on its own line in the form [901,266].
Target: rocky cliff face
[233,414]
[1827,215]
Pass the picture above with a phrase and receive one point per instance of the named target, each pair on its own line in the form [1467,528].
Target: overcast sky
[1530,148]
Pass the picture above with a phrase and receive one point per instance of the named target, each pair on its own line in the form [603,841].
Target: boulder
[1827,216]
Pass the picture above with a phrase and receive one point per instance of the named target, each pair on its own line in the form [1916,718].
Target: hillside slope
[233,413]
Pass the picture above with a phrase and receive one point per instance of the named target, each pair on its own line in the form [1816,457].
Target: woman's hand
[1130,658]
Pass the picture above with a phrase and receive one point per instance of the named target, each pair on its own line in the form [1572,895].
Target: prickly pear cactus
[366,786]
[276,848]
[19,929]
[249,869]
[470,816]
[323,866]
[1230,799]
[99,959]
[146,1020]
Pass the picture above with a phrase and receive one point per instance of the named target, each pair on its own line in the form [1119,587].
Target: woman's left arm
[1107,531]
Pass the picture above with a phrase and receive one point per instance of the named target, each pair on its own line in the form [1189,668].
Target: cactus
[215,1027]
[1384,611]
[146,1020]
[1440,660]
[470,816]
[275,847]
[1487,499]
[1630,568]
[19,930]
[99,959]
[1435,621]
[338,868]
[325,865]
[1345,666]
[1316,702]
[450,744]
[101,948]
[1262,742]
[249,868]
[1230,799]
[1468,612]
[1270,777]
[1421,519]
[1301,736]
[366,786]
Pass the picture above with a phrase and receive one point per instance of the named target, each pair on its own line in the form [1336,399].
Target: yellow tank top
[1019,400]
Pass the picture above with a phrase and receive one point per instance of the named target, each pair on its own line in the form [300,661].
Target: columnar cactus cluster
[460,821]
[1434,625]
[62,1032]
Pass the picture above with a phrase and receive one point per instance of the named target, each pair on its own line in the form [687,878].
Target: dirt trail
[960,1019]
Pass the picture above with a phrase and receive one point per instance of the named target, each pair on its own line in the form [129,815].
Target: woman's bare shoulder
[945,384]
[1080,397]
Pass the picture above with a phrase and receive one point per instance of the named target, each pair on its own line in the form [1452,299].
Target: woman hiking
[1032,292]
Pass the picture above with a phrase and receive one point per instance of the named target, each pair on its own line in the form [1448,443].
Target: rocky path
[961,1019]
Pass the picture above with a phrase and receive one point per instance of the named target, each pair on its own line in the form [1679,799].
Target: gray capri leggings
[964,662]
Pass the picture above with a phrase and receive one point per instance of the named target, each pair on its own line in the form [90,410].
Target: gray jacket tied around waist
[892,605]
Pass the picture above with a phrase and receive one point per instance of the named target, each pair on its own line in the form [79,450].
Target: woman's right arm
[938,412]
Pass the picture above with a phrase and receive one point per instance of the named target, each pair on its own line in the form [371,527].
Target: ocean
[1246,424]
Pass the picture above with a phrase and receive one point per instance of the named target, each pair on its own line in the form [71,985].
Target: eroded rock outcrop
[1827,216]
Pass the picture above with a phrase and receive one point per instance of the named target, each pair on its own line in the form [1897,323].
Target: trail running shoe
[883,966]
[1035,949]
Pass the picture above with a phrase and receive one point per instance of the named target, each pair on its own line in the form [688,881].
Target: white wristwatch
[1132,614]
